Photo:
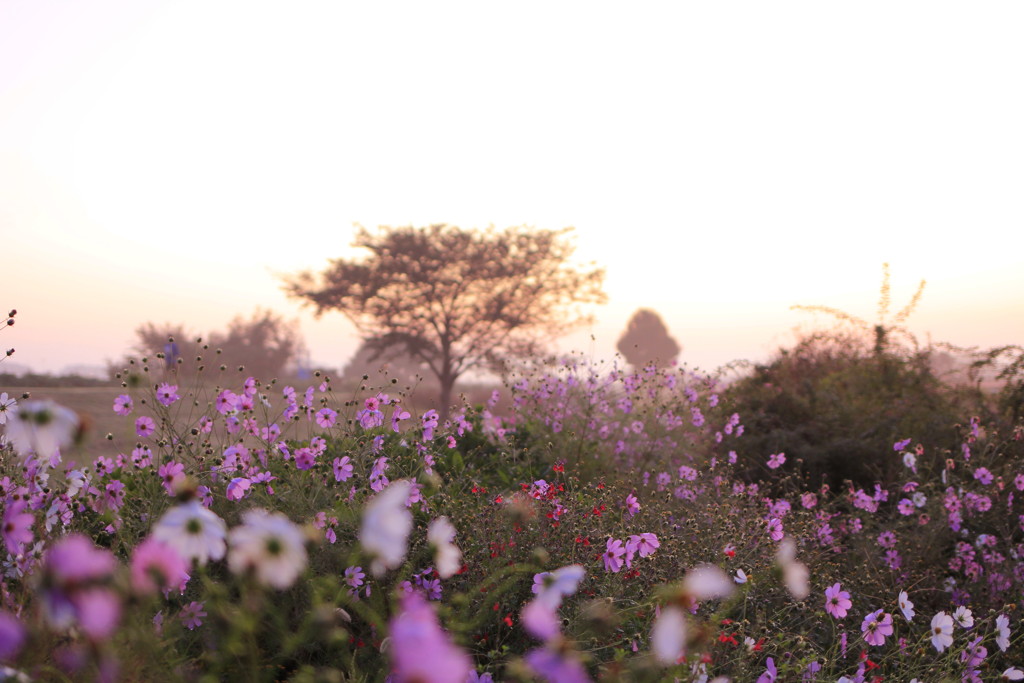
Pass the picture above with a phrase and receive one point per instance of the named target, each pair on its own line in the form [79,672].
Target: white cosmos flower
[447,557]
[41,427]
[741,576]
[1003,632]
[963,617]
[668,635]
[8,407]
[270,545]
[906,606]
[1013,674]
[942,631]
[386,526]
[195,532]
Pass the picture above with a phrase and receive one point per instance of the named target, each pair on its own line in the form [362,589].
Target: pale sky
[165,160]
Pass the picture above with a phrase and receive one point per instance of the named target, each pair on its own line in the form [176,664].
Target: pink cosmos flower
[613,555]
[237,488]
[354,577]
[837,601]
[157,566]
[225,402]
[326,417]
[397,415]
[123,405]
[645,544]
[775,531]
[983,475]
[170,474]
[429,420]
[167,394]
[144,426]
[876,627]
[775,460]
[192,615]
[632,505]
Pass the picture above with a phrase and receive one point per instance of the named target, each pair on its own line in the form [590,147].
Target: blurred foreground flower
[794,574]
[41,427]
[447,557]
[386,526]
[420,649]
[74,587]
[269,544]
[195,532]
[157,566]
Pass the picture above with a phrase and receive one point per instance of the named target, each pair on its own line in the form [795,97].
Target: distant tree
[646,339]
[264,344]
[456,299]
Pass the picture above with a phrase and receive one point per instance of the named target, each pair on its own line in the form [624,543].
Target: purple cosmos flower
[166,394]
[192,615]
[558,666]
[144,426]
[771,672]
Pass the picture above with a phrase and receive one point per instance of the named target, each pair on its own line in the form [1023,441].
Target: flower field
[586,523]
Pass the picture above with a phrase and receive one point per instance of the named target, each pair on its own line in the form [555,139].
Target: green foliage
[833,405]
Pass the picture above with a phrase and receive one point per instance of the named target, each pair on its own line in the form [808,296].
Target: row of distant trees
[265,343]
[439,300]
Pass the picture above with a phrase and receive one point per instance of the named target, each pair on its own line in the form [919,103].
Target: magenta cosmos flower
[876,627]
[837,601]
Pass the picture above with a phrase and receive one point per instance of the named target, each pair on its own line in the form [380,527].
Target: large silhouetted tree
[456,299]
[646,339]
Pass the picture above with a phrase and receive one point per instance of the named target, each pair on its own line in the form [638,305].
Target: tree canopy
[454,298]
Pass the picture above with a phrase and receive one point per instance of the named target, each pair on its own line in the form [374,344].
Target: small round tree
[646,339]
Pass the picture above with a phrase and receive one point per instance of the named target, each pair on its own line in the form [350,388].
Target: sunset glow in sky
[167,161]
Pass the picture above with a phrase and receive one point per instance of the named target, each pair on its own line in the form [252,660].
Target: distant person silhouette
[171,355]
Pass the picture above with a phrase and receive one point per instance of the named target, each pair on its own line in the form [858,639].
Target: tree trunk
[445,399]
